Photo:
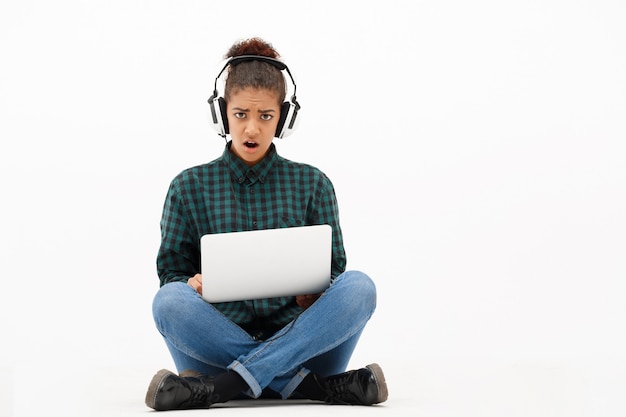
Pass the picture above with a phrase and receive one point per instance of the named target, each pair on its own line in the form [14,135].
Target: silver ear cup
[288,117]
[218,118]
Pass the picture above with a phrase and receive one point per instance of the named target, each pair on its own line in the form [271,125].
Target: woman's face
[252,119]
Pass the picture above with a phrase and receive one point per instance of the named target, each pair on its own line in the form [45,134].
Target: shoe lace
[339,392]
[201,395]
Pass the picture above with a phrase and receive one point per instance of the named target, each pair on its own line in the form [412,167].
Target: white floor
[438,388]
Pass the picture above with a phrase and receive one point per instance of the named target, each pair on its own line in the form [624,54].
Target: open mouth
[250,144]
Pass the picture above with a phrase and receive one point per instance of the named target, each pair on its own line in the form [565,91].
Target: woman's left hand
[305,301]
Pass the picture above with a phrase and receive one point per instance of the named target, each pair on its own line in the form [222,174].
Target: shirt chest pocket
[291,222]
[279,222]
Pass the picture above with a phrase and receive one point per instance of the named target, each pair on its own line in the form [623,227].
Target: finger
[193,282]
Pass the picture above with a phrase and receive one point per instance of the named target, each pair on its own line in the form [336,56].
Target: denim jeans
[321,339]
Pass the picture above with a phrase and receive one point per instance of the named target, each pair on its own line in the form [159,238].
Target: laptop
[265,263]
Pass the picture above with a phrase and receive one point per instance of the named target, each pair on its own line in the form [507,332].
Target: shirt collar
[242,172]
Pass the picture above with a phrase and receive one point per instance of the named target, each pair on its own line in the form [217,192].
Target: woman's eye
[240,115]
[266,116]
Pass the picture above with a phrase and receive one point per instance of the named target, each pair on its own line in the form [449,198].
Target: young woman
[287,347]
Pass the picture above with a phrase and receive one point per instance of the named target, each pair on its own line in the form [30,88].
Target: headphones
[288,110]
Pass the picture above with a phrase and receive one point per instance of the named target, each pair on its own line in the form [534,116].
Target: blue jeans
[319,340]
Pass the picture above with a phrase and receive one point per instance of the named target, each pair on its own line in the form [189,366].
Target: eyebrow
[247,110]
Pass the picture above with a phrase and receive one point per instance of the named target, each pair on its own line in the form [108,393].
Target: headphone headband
[246,58]
[242,58]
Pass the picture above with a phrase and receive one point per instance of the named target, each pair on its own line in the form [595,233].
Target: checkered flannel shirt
[226,195]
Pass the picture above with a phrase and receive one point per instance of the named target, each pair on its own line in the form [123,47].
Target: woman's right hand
[195,282]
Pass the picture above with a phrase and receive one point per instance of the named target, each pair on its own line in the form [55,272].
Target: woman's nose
[252,127]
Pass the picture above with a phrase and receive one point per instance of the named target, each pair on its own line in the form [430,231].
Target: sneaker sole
[379,377]
[153,388]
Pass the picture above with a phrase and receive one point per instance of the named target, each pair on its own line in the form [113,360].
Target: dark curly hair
[255,74]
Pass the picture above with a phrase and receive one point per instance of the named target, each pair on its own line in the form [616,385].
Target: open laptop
[265,263]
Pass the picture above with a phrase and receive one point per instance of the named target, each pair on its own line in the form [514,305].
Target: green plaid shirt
[226,195]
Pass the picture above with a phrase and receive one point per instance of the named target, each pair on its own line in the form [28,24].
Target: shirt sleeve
[179,253]
[327,212]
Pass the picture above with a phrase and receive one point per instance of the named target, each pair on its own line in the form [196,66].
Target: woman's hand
[305,301]
[195,282]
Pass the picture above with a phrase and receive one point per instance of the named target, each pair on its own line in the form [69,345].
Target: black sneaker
[365,386]
[168,391]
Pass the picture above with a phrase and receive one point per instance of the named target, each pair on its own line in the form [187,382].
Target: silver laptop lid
[266,263]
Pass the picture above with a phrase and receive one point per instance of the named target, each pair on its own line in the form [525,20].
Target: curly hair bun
[252,46]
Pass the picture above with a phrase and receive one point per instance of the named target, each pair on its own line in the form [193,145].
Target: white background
[477,150]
